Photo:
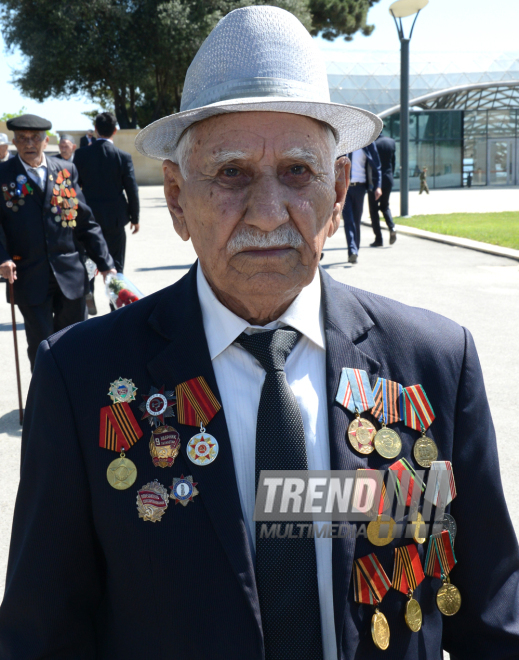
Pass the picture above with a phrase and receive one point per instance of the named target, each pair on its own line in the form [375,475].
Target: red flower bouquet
[121,291]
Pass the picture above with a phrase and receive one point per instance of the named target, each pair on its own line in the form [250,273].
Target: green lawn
[496,228]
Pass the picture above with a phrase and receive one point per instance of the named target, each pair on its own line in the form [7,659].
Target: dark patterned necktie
[286,568]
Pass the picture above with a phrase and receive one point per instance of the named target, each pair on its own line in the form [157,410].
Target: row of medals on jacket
[164,448]
[387,443]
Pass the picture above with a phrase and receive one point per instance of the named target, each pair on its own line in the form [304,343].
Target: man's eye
[231,172]
[297,170]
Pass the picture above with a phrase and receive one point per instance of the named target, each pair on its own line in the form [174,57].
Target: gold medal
[164,446]
[417,527]
[380,630]
[360,434]
[374,529]
[152,501]
[413,614]
[448,598]
[387,442]
[425,451]
[121,473]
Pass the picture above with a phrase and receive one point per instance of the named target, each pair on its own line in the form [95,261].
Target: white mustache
[249,237]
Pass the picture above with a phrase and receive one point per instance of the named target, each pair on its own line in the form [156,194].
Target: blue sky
[444,25]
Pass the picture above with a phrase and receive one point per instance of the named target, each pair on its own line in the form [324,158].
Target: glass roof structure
[371,79]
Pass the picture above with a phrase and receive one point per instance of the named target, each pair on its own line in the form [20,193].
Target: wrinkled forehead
[254,134]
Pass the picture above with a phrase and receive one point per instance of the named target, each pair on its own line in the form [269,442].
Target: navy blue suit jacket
[40,243]
[105,174]
[88,579]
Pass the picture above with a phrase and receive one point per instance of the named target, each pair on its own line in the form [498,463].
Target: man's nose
[267,205]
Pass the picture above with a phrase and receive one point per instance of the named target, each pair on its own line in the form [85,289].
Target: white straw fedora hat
[259,58]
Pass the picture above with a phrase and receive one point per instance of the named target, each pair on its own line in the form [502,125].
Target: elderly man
[4,148]
[41,212]
[250,346]
[88,139]
[66,147]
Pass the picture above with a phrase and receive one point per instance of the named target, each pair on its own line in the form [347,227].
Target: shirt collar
[27,166]
[99,139]
[304,315]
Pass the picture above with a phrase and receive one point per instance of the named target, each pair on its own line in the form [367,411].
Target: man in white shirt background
[365,175]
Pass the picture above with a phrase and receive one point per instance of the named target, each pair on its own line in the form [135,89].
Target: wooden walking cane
[11,296]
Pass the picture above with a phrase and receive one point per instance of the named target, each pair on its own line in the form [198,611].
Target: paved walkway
[477,290]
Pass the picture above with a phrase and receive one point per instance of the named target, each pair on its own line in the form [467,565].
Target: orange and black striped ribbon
[389,402]
[407,571]
[118,429]
[196,404]
[440,559]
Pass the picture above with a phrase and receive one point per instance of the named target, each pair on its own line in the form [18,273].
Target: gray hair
[186,143]
[66,136]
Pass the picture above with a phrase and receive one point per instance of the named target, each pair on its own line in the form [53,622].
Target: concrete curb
[467,243]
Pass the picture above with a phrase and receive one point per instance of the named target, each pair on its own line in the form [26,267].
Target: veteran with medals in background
[42,209]
[134,534]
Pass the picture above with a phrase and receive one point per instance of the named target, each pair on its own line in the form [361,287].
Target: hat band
[259,87]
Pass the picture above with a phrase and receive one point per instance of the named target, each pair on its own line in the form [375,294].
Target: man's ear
[173,182]
[342,181]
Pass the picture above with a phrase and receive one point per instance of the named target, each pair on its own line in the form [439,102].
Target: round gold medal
[380,532]
[387,443]
[380,630]
[448,599]
[360,434]
[121,473]
[425,451]
[413,615]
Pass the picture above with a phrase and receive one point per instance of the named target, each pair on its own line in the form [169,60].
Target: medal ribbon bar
[440,559]
[371,583]
[354,392]
[389,401]
[196,404]
[119,429]
[407,572]
[418,412]
[399,467]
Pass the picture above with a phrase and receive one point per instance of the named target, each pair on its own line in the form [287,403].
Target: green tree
[11,115]
[132,55]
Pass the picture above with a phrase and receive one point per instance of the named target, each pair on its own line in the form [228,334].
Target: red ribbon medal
[419,415]
[399,468]
[439,562]
[196,406]
[118,431]
[371,584]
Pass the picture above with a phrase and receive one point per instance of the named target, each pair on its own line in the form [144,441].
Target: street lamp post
[399,10]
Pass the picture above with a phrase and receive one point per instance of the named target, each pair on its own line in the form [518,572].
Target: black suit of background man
[386,148]
[51,280]
[85,142]
[105,175]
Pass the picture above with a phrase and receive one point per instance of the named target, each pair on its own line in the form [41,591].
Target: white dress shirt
[37,174]
[358,166]
[240,380]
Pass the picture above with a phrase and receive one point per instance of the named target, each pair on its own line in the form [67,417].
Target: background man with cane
[41,209]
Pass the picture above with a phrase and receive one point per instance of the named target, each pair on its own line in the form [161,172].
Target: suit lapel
[187,356]
[346,322]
